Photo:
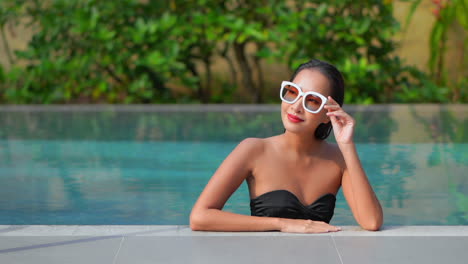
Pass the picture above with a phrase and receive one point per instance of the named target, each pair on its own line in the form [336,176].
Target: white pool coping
[42,244]
[183,230]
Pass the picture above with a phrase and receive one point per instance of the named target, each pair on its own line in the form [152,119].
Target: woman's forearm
[218,220]
[367,207]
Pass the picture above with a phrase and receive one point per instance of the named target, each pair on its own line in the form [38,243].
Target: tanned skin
[295,161]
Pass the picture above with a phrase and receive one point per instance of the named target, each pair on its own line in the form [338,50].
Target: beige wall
[414,41]
[17,38]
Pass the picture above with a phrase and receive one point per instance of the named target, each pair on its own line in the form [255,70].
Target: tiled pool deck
[178,244]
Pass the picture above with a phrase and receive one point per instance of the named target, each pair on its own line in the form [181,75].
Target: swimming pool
[148,164]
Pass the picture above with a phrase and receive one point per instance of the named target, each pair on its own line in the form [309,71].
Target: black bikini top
[284,204]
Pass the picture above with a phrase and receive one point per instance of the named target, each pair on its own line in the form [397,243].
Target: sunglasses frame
[304,95]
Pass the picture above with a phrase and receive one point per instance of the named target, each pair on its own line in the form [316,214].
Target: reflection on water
[148,167]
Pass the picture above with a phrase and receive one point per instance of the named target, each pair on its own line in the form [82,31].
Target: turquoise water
[148,167]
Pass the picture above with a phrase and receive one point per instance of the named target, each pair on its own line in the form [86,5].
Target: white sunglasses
[313,102]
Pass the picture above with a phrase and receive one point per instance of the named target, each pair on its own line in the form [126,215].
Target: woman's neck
[302,144]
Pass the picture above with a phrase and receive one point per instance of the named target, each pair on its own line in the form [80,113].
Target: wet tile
[58,249]
[126,230]
[37,230]
[408,231]
[388,249]
[228,249]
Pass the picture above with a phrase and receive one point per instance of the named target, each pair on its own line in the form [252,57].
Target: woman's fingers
[332,103]
[340,113]
[330,99]
[307,226]
[332,106]
[334,120]
[323,230]
[317,226]
[330,228]
[337,116]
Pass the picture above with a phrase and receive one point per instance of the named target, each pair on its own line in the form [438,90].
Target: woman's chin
[296,129]
[300,128]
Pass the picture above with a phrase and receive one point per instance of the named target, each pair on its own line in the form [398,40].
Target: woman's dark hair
[337,88]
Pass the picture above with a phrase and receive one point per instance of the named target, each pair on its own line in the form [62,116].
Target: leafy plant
[134,51]
[96,51]
[447,14]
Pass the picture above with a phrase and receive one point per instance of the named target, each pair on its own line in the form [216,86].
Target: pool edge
[183,230]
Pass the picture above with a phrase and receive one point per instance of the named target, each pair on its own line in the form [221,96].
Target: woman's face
[295,118]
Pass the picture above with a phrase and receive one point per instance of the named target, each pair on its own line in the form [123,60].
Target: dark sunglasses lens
[312,102]
[289,93]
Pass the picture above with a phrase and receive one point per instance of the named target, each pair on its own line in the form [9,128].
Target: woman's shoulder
[252,144]
[249,150]
[257,145]
[260,142]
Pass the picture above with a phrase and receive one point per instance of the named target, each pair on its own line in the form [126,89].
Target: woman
[293,178]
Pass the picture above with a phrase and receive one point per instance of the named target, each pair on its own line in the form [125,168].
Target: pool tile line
[113,231]
[55,244]
[76,241]
[118,250]
[84,230]
[337,251]
[11,228]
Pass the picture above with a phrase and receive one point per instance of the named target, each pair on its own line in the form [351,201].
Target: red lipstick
[294,118]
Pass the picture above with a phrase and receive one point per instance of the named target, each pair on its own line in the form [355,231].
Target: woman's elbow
[373,225]
[196,221]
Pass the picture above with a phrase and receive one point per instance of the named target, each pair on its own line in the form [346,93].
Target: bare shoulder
[248,151]
[252,145]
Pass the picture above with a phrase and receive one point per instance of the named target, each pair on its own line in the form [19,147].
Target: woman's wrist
[346,145]
[348,150]
[278,223]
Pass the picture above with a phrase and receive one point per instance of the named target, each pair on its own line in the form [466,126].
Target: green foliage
[357,37]
[423,90]
[131,51]
[462,206]
[2,75]
[447,14]
[96,51]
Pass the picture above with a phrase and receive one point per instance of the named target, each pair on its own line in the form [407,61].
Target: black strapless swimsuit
[284,204]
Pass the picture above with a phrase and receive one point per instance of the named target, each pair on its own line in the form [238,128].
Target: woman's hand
[306,226]
[343,124]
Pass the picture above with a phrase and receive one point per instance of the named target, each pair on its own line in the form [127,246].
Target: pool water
[132,165]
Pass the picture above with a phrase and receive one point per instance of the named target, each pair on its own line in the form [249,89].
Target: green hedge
[130,51]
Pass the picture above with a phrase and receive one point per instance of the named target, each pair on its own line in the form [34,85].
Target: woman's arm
[207,214]
[356,187]
[358,191]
